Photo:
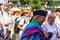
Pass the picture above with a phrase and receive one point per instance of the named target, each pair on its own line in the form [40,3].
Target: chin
[40,23]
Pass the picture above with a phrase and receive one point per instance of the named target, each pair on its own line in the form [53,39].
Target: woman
[50,28]
[24,20]
[16,13]
[57,20]
[34,31]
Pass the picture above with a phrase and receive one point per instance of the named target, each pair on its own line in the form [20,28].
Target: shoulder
[19,18]
[31,30]
[45,24]
[55,25]
[12,17]
[31,26]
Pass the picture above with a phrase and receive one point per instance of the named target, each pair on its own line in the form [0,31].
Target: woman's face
[51,20]
[57,13]
[31,15]
[41,19]
[26,14]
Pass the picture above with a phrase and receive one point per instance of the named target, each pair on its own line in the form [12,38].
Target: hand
[9,27]
[58,35]
[22,28]
[46,34]
[3,24]
[4,33]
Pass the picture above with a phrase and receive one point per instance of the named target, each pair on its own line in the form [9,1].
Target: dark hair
[57,10]
[51,15]
[14,12]
[23,13]
[31,19]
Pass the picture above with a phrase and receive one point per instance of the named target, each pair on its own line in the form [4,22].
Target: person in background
[54,11]
[34,9]
[29,9]
[1,31]
[31,15]
[34,31]
[42,8]
[16,12]
[10,12]
[11,25]
[1,14]
[50,28]
[5,19]
[1,10]
[5,13]
[57,21]
[24,20]
[57,13]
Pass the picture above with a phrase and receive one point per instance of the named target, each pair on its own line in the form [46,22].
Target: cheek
[27,14]
[52,20]
[6,7]
[39,20]
[42,19]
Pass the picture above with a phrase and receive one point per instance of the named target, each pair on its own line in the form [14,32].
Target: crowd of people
[28,24]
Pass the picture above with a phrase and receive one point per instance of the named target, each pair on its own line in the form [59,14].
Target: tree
[33,3]
[22,2]
[51,4]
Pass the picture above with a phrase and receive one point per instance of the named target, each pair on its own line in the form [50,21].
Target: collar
[34,21]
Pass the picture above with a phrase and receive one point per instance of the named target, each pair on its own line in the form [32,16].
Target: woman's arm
[20,27]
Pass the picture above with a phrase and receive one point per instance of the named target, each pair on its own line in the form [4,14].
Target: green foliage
[38,3]
[52,3]
[26,1]
[36,6]
[22,2]
[32,3]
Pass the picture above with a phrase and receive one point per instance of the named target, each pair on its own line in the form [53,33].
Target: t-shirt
[23,22]
[6,17]
[51,28]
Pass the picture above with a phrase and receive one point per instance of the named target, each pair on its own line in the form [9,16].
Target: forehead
[52,18]
[40,16]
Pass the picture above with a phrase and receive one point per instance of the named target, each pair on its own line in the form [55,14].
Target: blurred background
[35,4]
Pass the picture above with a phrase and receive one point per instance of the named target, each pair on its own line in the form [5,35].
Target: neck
[50,23]
[25,16]
[39,23]
[0,8]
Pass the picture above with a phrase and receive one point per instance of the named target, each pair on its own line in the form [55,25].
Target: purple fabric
[30,31]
